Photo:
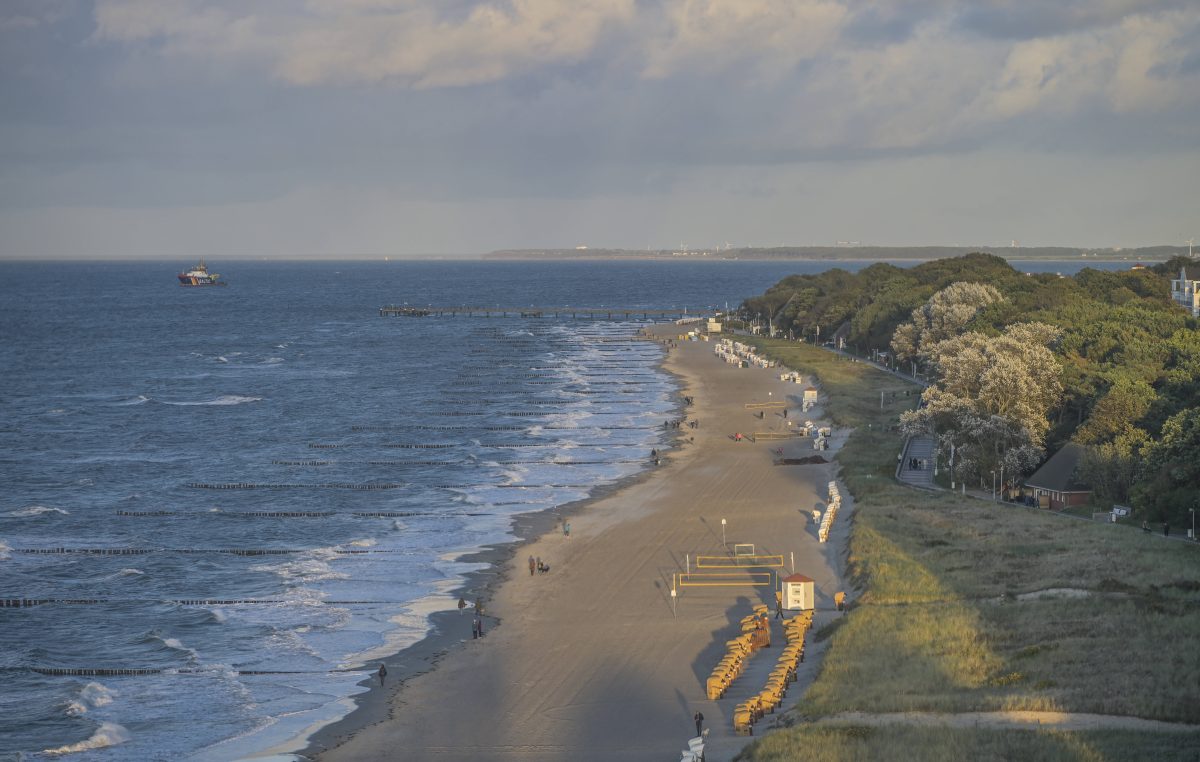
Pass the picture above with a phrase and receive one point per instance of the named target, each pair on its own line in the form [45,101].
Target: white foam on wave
[367,543]
[96,694]
[108,734]
[141,399]
[5,551]
[76,708]
[35,510]
[311,569]
[272,361]
[222,359]
[225,399]
[178,645]
[513,475]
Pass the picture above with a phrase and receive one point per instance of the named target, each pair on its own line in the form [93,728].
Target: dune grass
[856,743]
[948,618]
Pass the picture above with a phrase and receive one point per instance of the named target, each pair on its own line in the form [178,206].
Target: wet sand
[589,661]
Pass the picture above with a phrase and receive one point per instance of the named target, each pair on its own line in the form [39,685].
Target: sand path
[590,663]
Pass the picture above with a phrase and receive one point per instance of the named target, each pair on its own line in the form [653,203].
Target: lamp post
[723,543]
[993,486]
[1193,512]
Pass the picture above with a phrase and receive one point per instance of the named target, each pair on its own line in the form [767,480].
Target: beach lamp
[723,532]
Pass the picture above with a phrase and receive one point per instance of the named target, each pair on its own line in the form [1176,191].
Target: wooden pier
[573,313]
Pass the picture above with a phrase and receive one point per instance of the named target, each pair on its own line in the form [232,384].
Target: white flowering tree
[943,317]
[988,410]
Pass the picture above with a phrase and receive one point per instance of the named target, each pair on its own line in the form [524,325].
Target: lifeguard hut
[799,593]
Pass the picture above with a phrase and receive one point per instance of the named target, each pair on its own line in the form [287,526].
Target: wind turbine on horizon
[1189,242]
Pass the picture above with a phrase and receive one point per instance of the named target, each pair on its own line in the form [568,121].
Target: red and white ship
[200,276]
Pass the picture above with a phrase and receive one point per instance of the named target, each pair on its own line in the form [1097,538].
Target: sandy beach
[589,661]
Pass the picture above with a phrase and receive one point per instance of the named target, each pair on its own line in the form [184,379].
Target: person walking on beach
[567,528]
[475,628]
[382,674]
[699,718]
[532,565]
[462,604]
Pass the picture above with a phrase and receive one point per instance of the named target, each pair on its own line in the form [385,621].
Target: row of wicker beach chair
[835,502]
[756,634]
[748,712]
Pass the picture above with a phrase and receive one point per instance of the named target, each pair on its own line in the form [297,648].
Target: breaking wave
[34,510]
[108,734]
[226,399]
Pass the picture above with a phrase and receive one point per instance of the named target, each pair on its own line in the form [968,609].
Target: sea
[226,504]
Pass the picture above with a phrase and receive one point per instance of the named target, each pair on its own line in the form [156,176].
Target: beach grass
[966,605]
[857,743]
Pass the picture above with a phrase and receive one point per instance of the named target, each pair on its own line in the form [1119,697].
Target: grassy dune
[860,744]
[966,605]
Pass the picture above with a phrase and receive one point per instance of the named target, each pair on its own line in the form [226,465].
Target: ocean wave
[177,645]
[367,543]
[5,551]
[125,573]
[226,399]
[141,399]
[272,361]
[75,708]
[514,475]
[108,734]
[302,570]
[34,510]
[97,695]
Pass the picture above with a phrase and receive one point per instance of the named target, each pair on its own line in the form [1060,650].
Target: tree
[1171,475]
[1113,467]
[1117,412]
[943,317]
[1014,375]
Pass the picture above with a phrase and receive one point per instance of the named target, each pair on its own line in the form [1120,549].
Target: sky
[370,128]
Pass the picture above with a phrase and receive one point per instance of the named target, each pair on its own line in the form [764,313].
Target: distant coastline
[848,253]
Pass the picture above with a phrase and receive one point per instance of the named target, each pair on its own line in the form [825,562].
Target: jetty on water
[574,313]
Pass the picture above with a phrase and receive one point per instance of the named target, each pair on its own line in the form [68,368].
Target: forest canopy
[1028,362]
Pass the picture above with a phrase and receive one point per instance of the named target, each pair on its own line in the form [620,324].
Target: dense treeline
[1127,360]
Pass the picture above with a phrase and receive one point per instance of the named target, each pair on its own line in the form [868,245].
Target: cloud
[882,76]
[399,42]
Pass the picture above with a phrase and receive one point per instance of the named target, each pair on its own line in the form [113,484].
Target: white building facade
[1185,289]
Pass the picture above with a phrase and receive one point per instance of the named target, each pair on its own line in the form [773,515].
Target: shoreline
[447,628]
[570,632]
[444,637]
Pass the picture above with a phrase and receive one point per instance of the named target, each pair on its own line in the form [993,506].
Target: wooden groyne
[560,313]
